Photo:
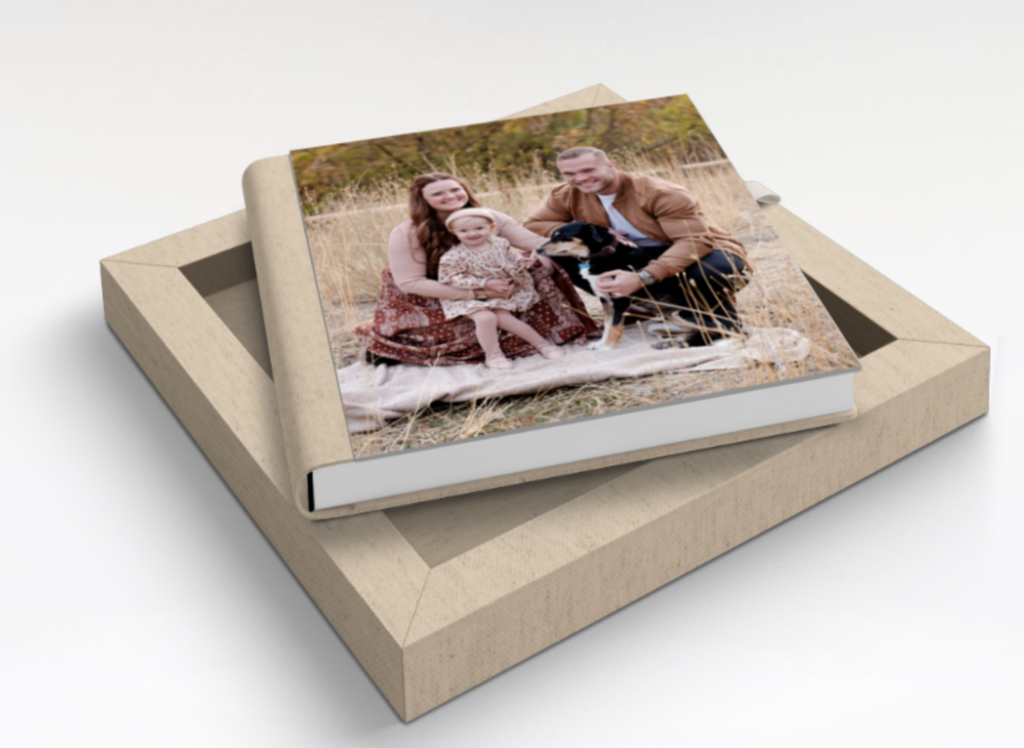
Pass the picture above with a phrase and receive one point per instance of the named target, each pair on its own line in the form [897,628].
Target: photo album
[465,308]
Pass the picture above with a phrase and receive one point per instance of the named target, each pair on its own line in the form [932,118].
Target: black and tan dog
[698,305]
[596,250]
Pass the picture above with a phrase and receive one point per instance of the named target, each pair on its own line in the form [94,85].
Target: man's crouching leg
[710,287]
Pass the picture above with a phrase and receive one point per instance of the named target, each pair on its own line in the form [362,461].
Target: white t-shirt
[619,223]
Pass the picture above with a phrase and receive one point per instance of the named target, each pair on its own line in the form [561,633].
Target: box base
[435,598]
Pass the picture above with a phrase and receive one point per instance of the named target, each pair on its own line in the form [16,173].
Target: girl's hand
[536,259]
[499,289]
[525,259]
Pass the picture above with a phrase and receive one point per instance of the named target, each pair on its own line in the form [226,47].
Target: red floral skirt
[412,329]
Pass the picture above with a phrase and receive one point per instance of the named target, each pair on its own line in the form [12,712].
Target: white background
[141,606]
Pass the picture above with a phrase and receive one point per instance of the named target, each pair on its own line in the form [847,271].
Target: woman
[409,324]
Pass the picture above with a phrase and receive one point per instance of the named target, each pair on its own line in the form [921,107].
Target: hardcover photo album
[480,305]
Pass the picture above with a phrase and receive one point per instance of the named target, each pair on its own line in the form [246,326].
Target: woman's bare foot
[551,351]
[498,362]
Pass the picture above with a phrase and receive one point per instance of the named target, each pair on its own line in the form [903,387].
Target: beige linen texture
[312,415]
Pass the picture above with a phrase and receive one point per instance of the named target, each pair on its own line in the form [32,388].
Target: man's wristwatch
[646,278]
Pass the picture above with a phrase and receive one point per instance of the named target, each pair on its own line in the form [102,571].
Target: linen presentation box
[435,598]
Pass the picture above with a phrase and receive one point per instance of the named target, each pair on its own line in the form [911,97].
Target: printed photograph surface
[523,272]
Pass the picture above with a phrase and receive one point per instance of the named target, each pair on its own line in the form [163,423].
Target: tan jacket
[664,211]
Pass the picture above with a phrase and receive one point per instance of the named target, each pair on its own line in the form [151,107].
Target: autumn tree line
[657,129]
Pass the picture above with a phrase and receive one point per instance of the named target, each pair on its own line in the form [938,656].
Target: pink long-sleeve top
[408,260]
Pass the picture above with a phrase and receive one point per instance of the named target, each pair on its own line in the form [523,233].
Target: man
[691,253]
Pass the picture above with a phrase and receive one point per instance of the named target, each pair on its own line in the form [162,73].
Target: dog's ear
[559,233]
[599,235]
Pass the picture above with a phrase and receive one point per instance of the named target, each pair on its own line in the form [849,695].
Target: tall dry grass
[348,239]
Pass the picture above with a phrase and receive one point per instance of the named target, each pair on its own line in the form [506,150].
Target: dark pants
[709,289]
[704,294]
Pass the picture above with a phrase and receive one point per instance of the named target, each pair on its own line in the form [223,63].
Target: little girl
[480,256]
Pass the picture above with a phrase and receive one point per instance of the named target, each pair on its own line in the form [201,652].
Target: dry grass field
[348,238]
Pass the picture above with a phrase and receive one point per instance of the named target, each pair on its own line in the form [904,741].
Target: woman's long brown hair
[430,230]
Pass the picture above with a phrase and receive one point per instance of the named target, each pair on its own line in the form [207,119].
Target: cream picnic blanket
[373,395]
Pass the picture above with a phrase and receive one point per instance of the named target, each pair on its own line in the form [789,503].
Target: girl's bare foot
[498,362]
[552,351]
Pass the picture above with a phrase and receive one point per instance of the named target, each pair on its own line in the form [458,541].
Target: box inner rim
[442,529]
